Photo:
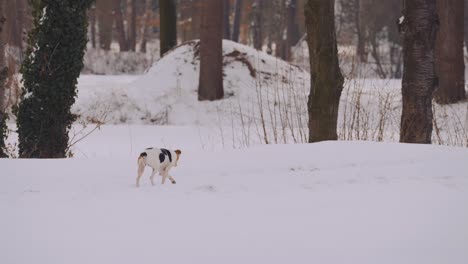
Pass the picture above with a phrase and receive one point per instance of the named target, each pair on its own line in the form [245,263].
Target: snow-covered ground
[331,202]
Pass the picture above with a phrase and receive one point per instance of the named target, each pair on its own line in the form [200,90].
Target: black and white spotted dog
[161,160]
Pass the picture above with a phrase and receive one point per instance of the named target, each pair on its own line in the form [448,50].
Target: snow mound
[167,93]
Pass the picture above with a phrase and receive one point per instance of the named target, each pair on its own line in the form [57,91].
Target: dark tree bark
[92,25]
[21,14]
[327,81]
[237,18]
[360,31]
[13,23]
[211,53]
[227,23]
[197,7]
[257,24]
[293,28]
[146,21]
[132,31]
[119,25]
[3,77]
[418,28]
[105,19]
[450,65]
[168,18]
[466,24]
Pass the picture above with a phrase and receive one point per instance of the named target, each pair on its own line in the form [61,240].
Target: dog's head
[177,152]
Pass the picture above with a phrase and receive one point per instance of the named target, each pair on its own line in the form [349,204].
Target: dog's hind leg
[152,177]
[141,169]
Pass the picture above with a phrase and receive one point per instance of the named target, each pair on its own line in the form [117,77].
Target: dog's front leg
[164,175]
[172,179]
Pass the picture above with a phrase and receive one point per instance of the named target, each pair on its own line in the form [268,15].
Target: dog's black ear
[178,152]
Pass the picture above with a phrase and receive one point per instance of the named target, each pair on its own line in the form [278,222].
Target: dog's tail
[142,159]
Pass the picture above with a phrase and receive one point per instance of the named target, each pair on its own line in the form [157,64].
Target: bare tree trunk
[92,24]
[146,21]
[360,20]
[237,18]
[466,24]
[168,18]
[257,24]
[3,76]
[418,27]
[105,19]
[119,25]
[293,28]
[450,65]
[227,24]
[20,21]
[211,53]
[196,19]
[132,31]
[327,81]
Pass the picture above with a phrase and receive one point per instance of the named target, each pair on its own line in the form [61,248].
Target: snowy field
[331,202]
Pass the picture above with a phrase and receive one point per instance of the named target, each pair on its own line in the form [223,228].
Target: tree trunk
[465,34]
[21,13]
[293,28]
[227,24]
[3,76]
[196,19]
[168,18]
[361,21]
[92,25]
[418,28]
[132,31]
[237,19]
[119,25]
[327,81]
[146,21]
[50,72]
[257,24]
[105,19]
[450,66]
[211,53]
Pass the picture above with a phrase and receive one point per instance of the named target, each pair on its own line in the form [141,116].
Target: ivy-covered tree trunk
[3,76]
[418,27]
[327,81]
[168,18]
[50,71]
